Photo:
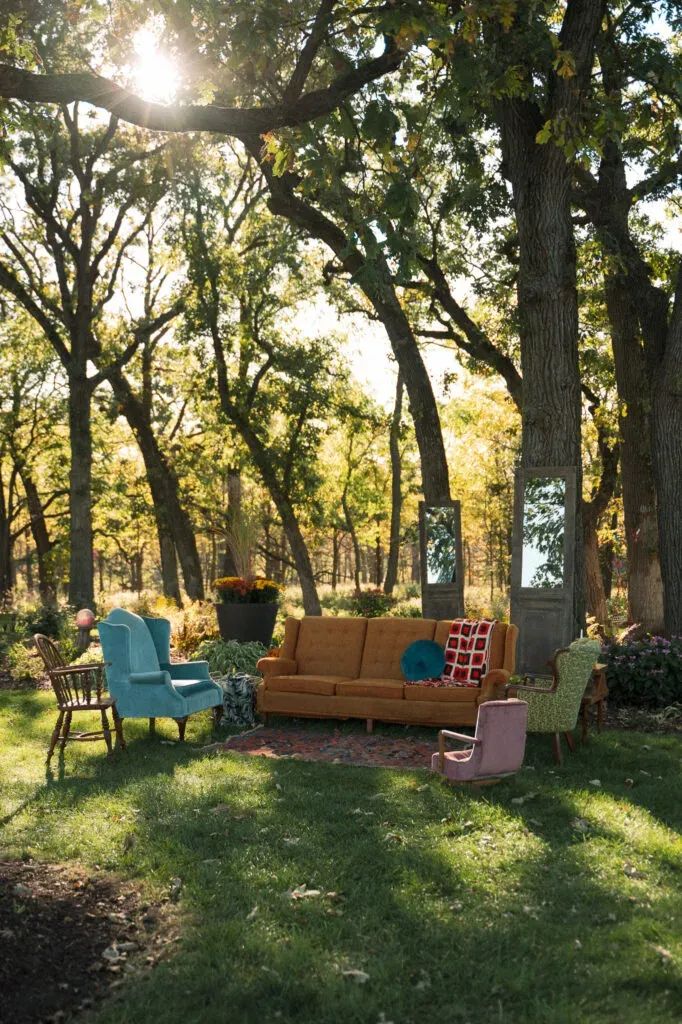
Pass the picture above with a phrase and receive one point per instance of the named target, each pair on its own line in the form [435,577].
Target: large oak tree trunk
[396,491]
[81,570]
[548,309]
[645,586]
[667,458]
[171,518]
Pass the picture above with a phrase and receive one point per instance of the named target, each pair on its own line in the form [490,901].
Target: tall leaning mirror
[442,578]
[542,600]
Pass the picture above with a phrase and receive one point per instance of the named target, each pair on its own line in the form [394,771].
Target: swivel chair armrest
[470,741]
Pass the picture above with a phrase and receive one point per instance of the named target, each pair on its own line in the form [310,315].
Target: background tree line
[483,180]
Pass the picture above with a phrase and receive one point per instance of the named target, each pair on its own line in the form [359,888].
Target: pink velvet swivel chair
[497,748]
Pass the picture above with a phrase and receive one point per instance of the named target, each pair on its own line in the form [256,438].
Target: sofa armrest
[151,678]
[187,669]
[493,681]
[277,667]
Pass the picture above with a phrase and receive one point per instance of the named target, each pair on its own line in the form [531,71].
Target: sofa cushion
[311,683]
[438,694]
[391,688]
[385,643]
[326,644]
[497,640]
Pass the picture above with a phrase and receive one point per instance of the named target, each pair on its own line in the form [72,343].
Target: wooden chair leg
[66,730]
[600,715]
[556,747]
[182,722]
[118,729]
[570,741]
[55,734]
[370,725]
[106,730]
[152,727]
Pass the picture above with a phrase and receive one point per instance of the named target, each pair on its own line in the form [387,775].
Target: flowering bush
[247,590]
[645,673]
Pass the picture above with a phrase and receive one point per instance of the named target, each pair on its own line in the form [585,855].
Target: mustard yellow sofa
[350,668]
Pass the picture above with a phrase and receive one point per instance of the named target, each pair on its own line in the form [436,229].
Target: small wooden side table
[596,693]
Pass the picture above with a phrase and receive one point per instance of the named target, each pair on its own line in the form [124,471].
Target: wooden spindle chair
[77,688]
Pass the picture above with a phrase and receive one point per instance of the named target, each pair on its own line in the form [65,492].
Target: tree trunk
[548,310]
[357,556]
[396,490]
[232,517]
[171,518]
[667,458]
[595,597]
[335,558]
[41,539]
[81,569]
[645,586]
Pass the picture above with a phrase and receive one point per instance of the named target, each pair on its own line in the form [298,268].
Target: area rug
[336,747]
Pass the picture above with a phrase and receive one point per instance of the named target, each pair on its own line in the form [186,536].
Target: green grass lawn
[460,906]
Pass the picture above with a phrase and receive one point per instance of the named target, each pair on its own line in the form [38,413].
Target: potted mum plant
[247,608]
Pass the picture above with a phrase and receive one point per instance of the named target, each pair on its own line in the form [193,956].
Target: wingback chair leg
[118,729]
[55,734]
[370,725]
[182,722]
[556,747]
[66,730]
[570,741]
[152,727]
[106,731]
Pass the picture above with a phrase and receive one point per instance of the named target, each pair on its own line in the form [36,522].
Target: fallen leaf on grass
[595,782]
[580,825]
[394,837]
[665,954]
[519,800]
[252,913]
[631,871]
[291,840]
[359,977]
[629,782]
[302,892]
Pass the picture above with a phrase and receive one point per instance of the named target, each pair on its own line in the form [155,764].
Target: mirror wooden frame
[544,615]
[442,600]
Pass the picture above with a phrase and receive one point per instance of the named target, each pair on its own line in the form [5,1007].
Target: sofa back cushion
[329,646]
[497,641]
[385,644]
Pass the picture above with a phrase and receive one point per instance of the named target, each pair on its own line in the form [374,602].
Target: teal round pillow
[423,659]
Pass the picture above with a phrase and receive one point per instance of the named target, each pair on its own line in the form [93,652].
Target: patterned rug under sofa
[335,747]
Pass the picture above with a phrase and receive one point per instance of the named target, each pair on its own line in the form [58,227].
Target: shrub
[196,624]
[24,663]
[371,604]
[645,673]
[227,656]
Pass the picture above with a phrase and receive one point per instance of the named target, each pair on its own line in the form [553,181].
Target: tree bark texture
[41,539]
[81,569]
[645,585]
[396,491]
[174,526]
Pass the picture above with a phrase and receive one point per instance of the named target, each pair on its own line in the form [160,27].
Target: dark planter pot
[246,622]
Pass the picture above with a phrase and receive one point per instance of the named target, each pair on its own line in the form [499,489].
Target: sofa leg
[152,727]
[266,718]
[370,725]
[556,747]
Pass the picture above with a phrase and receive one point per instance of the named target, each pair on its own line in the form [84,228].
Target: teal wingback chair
[141,677]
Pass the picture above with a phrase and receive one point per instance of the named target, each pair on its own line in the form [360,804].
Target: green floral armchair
[555,709]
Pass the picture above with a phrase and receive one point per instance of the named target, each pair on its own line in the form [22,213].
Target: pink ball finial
[85,619]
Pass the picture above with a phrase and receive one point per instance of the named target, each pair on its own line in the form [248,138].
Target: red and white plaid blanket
[467,652]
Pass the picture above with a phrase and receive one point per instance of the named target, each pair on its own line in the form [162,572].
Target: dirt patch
[67,937]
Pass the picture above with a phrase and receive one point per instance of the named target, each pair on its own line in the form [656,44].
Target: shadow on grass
[465,906]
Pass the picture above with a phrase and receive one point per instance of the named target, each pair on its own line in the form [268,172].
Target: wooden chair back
[77,686]
[49,652]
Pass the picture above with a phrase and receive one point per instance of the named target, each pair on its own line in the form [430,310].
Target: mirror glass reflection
[542,563]
[441,544]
